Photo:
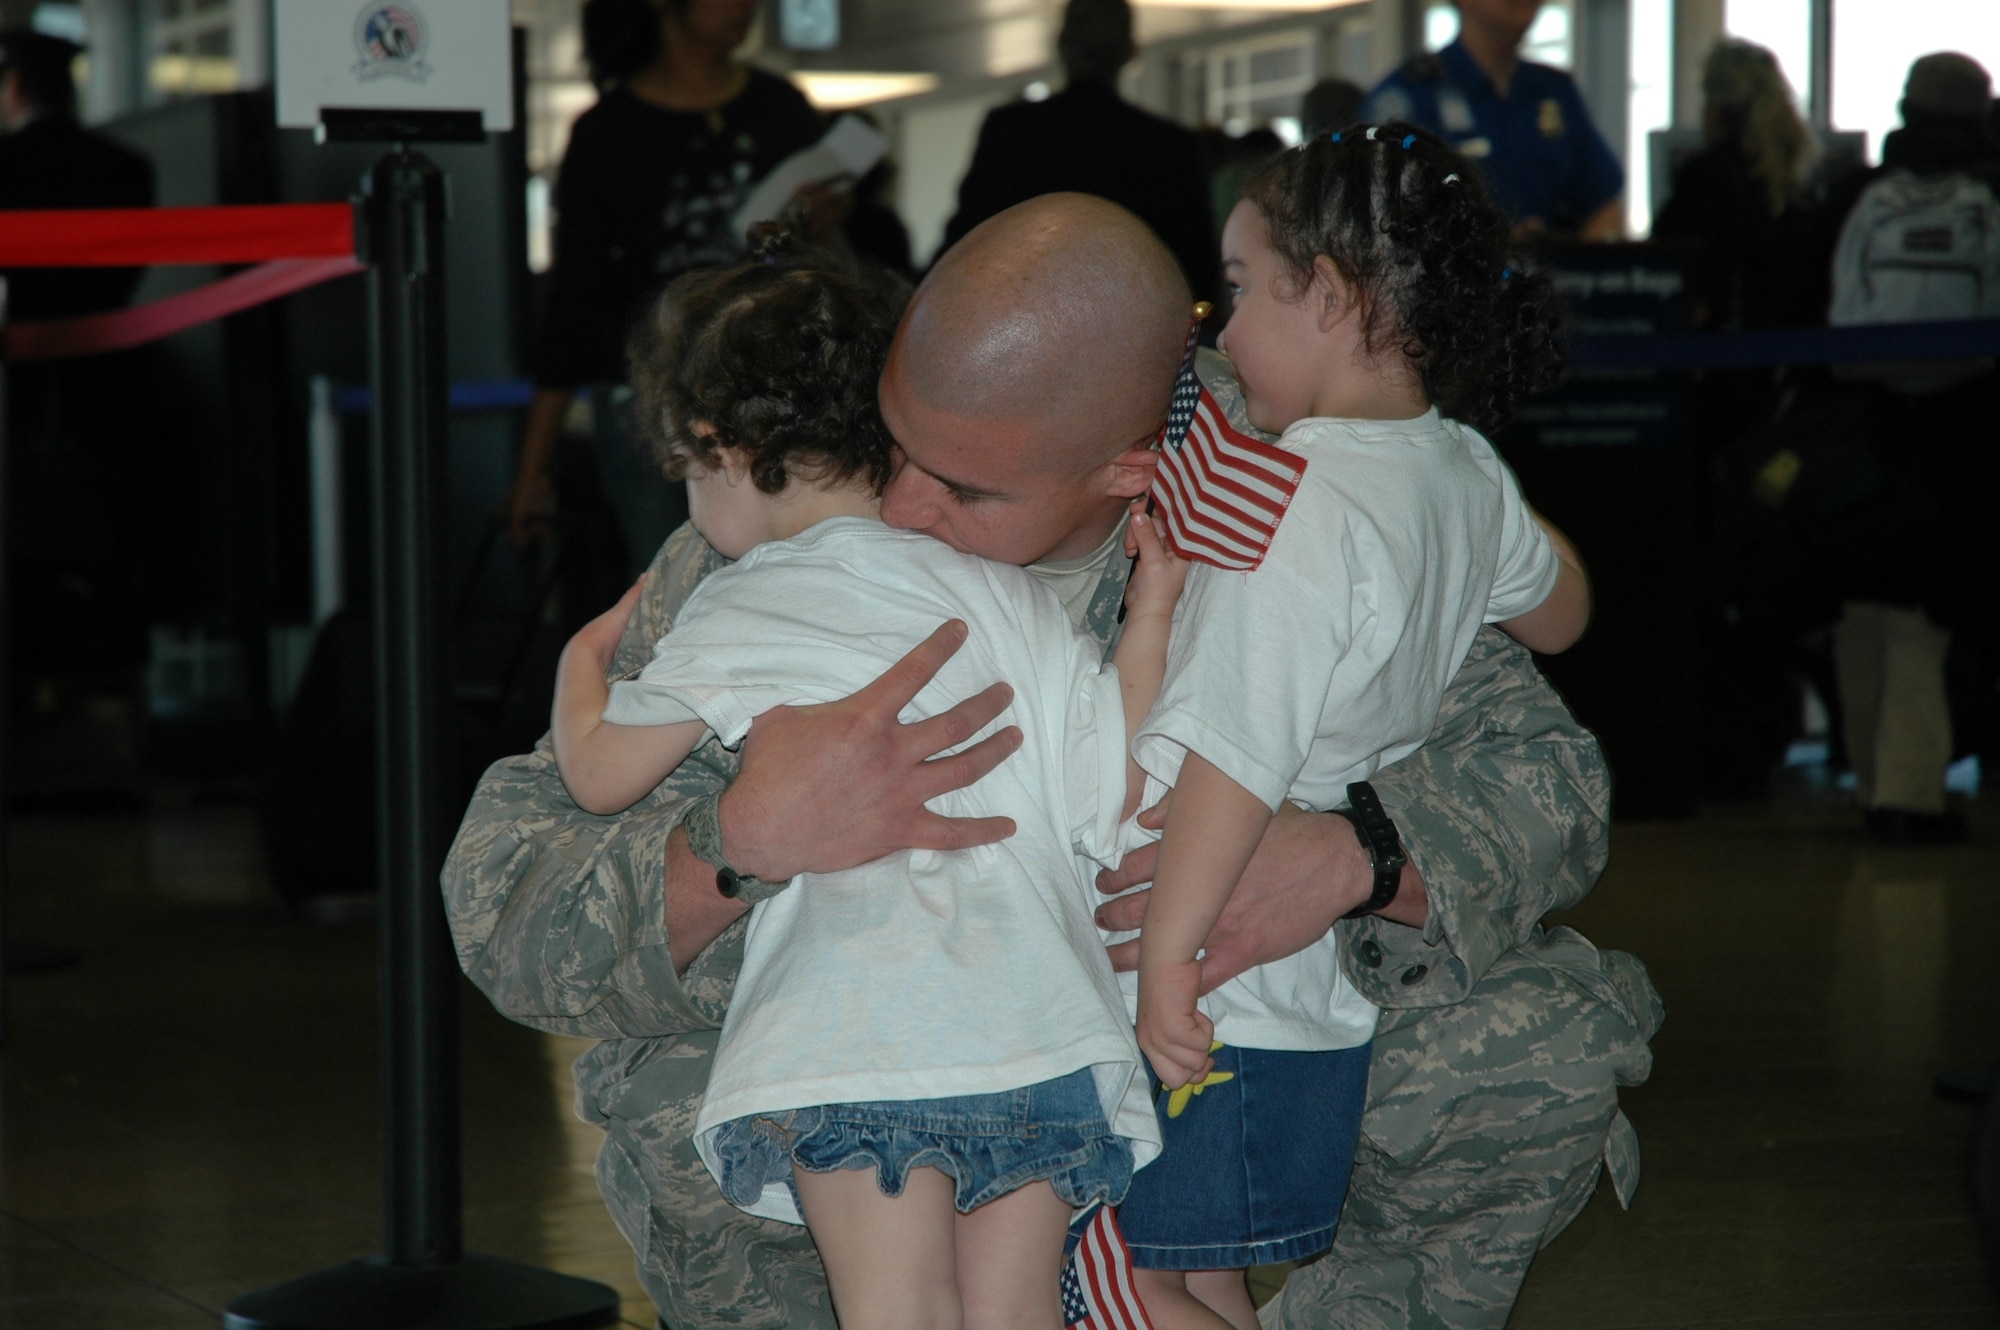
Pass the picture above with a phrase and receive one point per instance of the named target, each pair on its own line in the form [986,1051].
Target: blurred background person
[1089,140]
[681,133]
[88,490]
[1525,124]
[1914,246]
[1330,104]
[1738,198]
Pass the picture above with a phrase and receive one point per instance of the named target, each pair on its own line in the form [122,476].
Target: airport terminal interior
[1787,525]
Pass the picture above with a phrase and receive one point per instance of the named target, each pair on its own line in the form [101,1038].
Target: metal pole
[407,462]
[423,1280]
[6,678]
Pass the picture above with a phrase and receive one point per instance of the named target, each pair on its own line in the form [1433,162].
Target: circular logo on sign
[392,39]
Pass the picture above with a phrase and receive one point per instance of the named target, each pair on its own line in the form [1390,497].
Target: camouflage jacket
[559,916]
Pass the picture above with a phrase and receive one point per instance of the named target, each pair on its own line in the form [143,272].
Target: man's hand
[1308,871]
[826,787]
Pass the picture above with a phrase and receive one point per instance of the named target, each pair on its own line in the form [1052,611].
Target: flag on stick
[1097,1288]
[1219,494]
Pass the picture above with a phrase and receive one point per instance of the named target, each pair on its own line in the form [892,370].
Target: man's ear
[1131,472]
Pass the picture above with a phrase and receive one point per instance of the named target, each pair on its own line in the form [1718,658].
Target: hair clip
[1408,139]
[1336,136]
[1451,179]
[1371,132]
[1506,273]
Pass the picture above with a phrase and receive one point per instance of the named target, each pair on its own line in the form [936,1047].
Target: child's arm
[1141,657]
[1556,623]
[608,768]
[1213,827]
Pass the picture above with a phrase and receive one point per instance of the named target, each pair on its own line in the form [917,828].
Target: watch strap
[703,825]
[1378,835]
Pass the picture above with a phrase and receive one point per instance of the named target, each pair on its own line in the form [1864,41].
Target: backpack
[1919,249]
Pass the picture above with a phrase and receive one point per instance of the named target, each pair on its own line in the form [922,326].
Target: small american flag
[1219,494]
[1097,1288]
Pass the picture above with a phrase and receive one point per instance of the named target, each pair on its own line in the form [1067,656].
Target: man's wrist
[704,824]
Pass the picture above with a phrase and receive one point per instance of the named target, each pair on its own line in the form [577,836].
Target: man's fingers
[1155,818]
[896,686]
[1133,870]
[1125,914]
[944,774]
[950,728]
[1125,956]
[935,832]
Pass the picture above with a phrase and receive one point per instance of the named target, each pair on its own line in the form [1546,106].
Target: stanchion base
[475,1293]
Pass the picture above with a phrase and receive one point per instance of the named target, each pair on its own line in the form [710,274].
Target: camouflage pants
[1486,1125]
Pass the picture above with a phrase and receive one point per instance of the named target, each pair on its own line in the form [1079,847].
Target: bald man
[1025,386]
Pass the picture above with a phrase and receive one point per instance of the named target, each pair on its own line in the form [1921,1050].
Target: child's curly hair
[1406,223]
[778,358]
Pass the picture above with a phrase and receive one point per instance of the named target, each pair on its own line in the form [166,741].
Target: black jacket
[53,162]
[1088,140]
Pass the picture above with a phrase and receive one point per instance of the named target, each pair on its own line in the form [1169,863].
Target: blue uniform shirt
[1541,155]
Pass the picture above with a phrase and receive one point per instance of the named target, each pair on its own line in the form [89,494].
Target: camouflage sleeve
[560,916]
[1506,812]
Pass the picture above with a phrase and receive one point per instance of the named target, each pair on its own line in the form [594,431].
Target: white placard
[847,152]
[394,55]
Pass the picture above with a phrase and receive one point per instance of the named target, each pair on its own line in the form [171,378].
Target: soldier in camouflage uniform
[1492,1098]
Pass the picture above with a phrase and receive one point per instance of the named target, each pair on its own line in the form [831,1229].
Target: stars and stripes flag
[1097,1288]
[1219,494]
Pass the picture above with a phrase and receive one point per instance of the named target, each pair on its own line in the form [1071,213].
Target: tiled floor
[190,1113]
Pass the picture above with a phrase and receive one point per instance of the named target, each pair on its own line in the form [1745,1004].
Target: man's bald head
[1064,314]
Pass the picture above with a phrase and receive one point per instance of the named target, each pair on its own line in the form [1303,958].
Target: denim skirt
[990,1144]
[1256,1161]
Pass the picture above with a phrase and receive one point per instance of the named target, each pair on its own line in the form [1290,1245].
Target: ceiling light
[1289,6]
[835,91]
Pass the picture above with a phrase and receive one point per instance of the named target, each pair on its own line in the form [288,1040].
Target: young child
[1377,307]
[927,1057]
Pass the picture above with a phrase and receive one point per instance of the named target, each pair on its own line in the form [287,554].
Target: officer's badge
[1551,123]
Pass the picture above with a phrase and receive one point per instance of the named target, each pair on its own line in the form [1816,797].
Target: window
[1258,82]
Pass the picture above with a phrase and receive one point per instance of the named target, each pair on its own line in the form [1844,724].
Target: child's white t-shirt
[1330,661]
[921,975]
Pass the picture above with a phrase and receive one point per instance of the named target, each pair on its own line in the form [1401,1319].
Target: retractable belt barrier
[294,245]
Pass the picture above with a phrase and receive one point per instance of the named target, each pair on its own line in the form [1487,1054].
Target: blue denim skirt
[990,1144]
[1256,1162]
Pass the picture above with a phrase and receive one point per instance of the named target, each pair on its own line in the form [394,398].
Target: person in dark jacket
[49,160]
[648,189]
[1086,139]
[1738,198]
[1918,601]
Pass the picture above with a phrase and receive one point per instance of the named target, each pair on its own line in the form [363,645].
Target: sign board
[393,55]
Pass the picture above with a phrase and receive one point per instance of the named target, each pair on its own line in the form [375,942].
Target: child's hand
[1173,1033]
[599,638]
[1157,580]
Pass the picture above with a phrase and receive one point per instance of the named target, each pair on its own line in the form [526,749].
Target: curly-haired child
[1380,321]
[926,1057]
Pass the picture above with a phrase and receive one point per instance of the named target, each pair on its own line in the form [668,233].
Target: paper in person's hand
[847,152]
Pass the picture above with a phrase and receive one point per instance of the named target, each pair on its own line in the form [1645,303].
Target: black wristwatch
[1379,838]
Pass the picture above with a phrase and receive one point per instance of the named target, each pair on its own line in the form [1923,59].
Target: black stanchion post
[422,1280]
[6,678]
[407,468]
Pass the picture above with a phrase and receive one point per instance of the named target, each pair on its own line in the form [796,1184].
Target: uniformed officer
[1523,123]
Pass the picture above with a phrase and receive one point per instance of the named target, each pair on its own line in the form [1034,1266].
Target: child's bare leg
[1172,1304]
[1010,1254]
[891,1261]
[1226,1294]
